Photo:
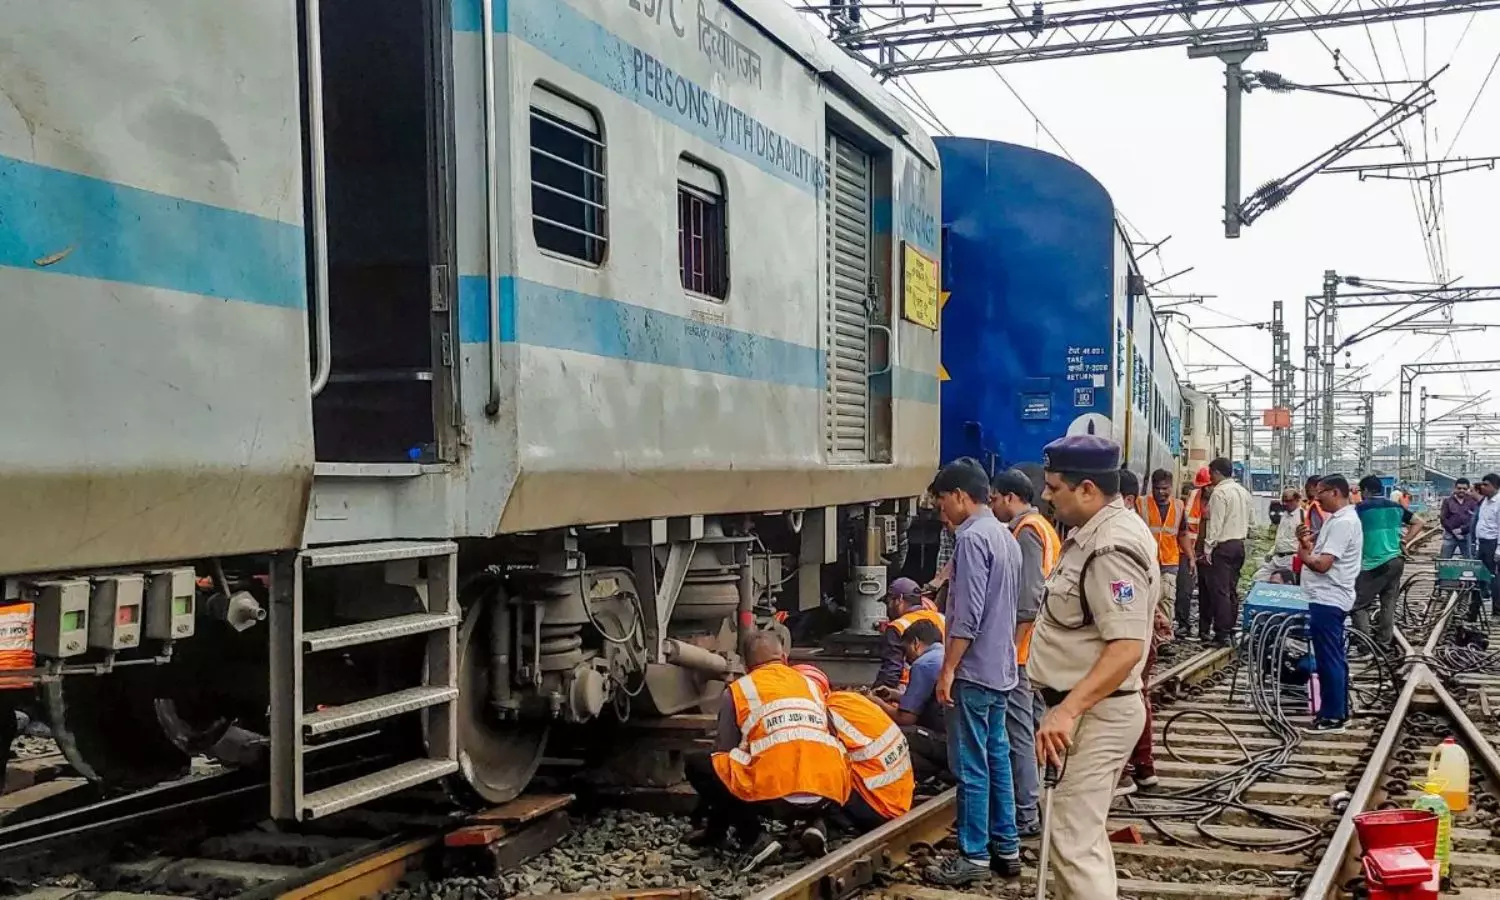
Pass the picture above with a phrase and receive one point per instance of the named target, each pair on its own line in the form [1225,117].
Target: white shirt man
[1329,569]
[1343,538]
[1228,514]
[1280,557]
[1488,527]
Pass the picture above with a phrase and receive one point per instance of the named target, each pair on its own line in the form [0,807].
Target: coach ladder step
[430,569]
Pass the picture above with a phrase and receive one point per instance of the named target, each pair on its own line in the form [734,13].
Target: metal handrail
[319,179]
[491,197]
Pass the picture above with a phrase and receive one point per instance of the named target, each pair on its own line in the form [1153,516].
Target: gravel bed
[617,850]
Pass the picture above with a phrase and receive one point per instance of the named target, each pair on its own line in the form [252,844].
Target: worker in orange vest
[905,604]
[880,770]
[1013,497]
[17,634]
[774,756]
[1166,516]
[1197,518]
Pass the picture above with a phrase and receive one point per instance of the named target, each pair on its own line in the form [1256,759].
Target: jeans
[1325,627]
[1381,585]
[979,755]
[1023,713]
[1461,547]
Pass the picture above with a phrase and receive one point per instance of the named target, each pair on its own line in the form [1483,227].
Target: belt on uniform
[1053,697]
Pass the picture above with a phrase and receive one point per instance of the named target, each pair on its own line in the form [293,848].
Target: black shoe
[1327,726]
[814,839]
[1006,866]
[957,871]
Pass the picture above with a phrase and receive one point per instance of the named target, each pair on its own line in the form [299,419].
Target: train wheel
[107,728]
[497,759]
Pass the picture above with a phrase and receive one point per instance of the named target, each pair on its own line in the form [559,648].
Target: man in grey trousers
[1012,497]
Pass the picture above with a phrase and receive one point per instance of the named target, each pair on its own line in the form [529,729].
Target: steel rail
[1325,881]
[854,865]
[1212,659]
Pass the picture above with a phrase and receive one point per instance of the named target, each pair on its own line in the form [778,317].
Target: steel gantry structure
[910,41]
[1408,308]
[906,38]
[1410,372]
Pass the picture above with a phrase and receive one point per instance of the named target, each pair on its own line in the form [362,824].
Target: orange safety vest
[785,744]
[1168,553]
[925,614]
[1195,512]
[878,755]
[17,633]
[1051,550]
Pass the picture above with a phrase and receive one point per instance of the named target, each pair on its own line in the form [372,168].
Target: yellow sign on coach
[919,288]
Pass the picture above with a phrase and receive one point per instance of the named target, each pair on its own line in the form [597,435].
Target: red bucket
[1384,828]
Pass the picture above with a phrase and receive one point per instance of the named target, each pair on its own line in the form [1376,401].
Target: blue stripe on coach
[542,316]
[64,223]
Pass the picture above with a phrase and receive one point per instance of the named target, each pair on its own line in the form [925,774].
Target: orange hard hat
[1201,479]
[816,675]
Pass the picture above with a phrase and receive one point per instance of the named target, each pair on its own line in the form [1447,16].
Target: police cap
[1084,454]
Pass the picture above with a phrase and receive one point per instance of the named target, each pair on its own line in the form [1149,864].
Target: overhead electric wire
[1480,93]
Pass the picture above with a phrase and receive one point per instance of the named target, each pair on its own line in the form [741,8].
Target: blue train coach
[1047,329]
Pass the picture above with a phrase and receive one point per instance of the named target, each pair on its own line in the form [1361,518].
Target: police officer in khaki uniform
[1087,653]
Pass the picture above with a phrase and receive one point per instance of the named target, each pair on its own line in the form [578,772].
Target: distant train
[1048,328]
[1208,432]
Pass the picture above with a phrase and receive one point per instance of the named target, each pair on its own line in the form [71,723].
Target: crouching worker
[775,756]
[915,709]
[879,763]
[905,605]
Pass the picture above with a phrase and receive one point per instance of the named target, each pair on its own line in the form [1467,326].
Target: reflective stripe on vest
[920,615]
[1046,534]
[881,765]
[1168,553]
[1195,511]
[1051,552]
[785,746]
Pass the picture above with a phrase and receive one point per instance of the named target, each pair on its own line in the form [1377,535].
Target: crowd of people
[1028,650]
[1024,661]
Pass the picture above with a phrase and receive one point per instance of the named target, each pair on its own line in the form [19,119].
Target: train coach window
[568,208]
[702,230]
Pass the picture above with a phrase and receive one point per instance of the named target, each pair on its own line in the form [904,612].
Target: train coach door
[382,113]
[848,300]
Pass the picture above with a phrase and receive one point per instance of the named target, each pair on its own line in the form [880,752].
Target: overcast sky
[1150,126]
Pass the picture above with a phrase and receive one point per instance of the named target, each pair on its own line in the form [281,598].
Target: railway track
[1243,810]
[1283,838]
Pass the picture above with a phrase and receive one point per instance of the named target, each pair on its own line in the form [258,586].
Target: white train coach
[472,366]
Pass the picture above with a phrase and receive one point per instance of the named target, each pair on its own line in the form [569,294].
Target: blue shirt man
[920,697]
[979,667]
